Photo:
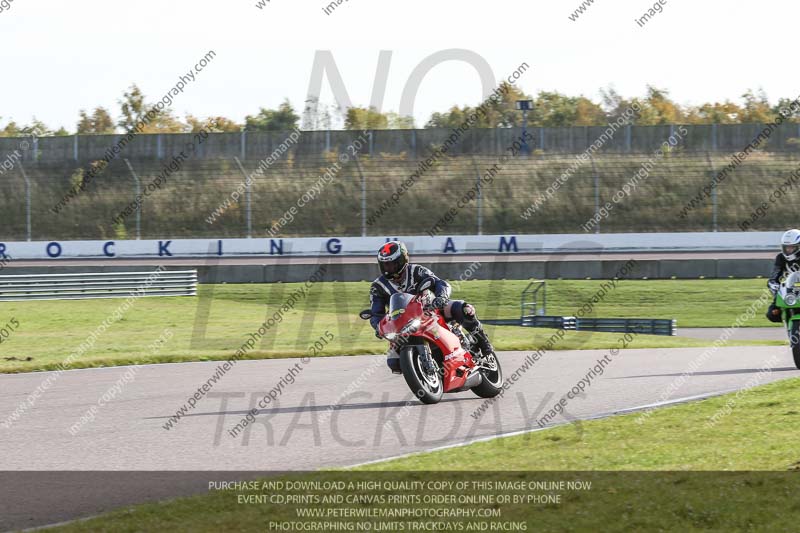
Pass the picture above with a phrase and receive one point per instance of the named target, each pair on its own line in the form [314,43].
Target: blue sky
[60,57]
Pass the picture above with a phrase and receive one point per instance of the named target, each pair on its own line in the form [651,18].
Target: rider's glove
[774,286]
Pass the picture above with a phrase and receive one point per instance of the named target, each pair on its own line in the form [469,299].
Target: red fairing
[433,328]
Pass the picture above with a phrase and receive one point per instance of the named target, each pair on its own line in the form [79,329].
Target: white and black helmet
[393,259]
[790,244]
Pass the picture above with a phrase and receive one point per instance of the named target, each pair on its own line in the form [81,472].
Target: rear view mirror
[366,314]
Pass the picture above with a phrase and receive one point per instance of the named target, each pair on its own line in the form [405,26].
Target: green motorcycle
[788,301]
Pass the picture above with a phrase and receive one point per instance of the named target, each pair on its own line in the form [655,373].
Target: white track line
[466,443]
[527,431]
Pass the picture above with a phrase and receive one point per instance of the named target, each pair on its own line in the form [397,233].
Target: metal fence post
[138,192]
[713,193]
[75,147]
[714,137]
[479,199]
[248,198]
[27,201]
[596,192]
[243,144]
[363,197]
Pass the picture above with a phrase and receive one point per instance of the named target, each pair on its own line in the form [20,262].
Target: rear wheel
[492,374]
[794,341]
[421,374]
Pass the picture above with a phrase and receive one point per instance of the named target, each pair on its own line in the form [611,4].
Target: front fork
[788,313]
[466,338]
[428,365]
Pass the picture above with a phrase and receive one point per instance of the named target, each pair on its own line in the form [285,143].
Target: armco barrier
[642,326]
[645,326]
[447,268]
[82,286]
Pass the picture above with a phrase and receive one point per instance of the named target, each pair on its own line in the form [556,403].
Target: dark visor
[391,267]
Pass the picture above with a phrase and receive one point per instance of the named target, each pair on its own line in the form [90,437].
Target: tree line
[550,109]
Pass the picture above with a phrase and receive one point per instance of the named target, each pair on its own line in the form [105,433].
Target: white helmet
[790,244]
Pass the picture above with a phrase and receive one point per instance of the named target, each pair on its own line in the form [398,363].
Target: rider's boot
[474,326]
[483,343]
[393,361]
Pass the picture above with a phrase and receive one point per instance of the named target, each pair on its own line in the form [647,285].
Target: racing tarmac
[339,411]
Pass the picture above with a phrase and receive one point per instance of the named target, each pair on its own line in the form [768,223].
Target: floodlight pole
[524,131]
[525,106]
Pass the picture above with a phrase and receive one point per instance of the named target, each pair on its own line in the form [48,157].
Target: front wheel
[492,374]
[794,341]
[422,374]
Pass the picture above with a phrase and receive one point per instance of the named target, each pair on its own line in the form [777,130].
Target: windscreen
[397,303]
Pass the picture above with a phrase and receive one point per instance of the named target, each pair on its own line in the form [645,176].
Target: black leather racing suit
[382,290]
[782,268]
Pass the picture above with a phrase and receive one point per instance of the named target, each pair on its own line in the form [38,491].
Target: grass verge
[661,475]
[214,325]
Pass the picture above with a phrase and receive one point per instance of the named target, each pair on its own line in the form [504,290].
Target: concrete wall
[650,269]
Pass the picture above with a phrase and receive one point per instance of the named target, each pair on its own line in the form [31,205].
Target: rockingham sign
[344,246]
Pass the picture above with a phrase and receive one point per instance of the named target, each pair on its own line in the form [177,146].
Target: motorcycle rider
[786,262]
[399,275]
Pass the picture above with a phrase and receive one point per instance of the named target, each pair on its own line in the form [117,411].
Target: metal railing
[645,326]
[415,143]
[83,286]
[529,301]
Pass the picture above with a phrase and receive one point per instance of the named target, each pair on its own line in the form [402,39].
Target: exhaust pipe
[474,379]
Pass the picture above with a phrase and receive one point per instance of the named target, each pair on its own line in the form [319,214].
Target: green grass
[675,445]
[760,433]
[49,331]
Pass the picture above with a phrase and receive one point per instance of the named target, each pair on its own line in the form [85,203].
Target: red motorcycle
[436,357]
